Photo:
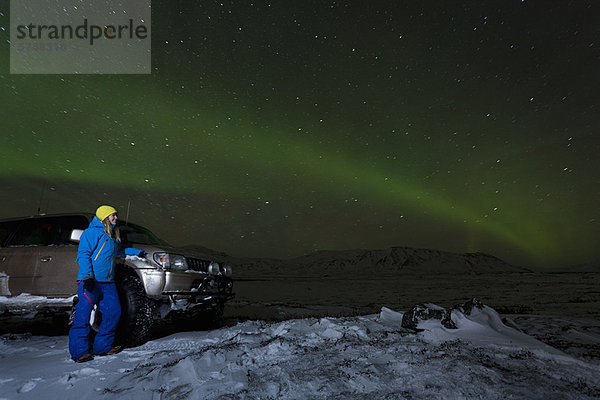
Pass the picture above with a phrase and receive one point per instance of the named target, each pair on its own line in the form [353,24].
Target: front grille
[197,264]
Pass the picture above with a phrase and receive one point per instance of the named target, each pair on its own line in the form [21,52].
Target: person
[99,247]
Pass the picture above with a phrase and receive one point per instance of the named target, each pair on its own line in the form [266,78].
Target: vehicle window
[132,233]
[64,226]
[6,228]
[47,231]
[31,232]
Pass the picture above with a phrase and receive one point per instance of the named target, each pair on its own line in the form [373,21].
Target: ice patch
[390,317]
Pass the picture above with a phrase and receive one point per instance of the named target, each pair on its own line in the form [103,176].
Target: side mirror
[75,235]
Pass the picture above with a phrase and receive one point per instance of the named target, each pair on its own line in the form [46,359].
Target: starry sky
[273,129]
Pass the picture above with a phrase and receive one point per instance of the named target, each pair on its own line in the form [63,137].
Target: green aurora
[267,145]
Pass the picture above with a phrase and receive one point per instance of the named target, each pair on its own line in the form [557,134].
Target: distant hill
[368,262]
[593,266]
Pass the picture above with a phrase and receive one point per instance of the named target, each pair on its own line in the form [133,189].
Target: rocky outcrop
[423,312]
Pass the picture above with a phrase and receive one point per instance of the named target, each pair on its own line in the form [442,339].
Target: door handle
[46,259]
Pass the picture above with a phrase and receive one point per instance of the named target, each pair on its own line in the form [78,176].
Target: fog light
[213,268]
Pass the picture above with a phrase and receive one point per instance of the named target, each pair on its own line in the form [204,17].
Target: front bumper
[196,286]
[209,293]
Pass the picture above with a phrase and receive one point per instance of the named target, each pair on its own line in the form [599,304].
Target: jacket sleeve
[132,251]
[84,255]
[129,251]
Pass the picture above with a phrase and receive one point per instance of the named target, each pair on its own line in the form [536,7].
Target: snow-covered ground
[365,357]
[26,302]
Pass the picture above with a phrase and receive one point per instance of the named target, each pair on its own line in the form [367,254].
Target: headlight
[213,268]
[171,261]
[216,269]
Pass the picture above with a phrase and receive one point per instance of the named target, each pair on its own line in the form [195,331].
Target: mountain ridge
[357,262]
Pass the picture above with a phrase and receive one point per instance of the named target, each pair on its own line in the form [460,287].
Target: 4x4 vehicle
[37,257]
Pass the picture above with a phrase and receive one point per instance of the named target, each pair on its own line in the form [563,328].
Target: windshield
[132,233]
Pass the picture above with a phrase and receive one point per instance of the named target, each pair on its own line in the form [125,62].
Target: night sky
[274,129]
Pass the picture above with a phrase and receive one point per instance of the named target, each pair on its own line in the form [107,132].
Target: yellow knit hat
[104,211]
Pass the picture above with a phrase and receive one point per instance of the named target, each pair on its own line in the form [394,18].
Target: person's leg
[79,344]
[111,312]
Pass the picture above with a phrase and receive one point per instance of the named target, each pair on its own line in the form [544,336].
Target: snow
[4,291]
[26,299]
[27,305]
[364,357]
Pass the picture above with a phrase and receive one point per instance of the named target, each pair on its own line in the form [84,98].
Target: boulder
[423,312]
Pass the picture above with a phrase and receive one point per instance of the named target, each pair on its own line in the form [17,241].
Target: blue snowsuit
[96,256]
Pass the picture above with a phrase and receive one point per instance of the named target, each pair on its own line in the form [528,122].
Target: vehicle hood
[150,249]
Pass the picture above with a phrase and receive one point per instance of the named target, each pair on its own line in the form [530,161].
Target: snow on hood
[329,358]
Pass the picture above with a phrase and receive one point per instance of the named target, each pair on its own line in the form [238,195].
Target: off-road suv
[37,257]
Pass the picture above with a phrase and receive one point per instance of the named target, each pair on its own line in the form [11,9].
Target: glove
[88,284]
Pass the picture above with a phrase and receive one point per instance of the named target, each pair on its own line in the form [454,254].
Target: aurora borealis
[273,129]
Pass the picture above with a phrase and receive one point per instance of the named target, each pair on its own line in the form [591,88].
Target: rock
[423,312]
[467,308]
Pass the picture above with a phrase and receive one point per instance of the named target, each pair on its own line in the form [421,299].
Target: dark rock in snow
[467,308]
[423,312]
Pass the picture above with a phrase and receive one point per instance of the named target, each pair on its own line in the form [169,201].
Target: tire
[137,312]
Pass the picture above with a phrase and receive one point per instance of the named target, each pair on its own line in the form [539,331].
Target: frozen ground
[292,337]
[572,295]
[364,357]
